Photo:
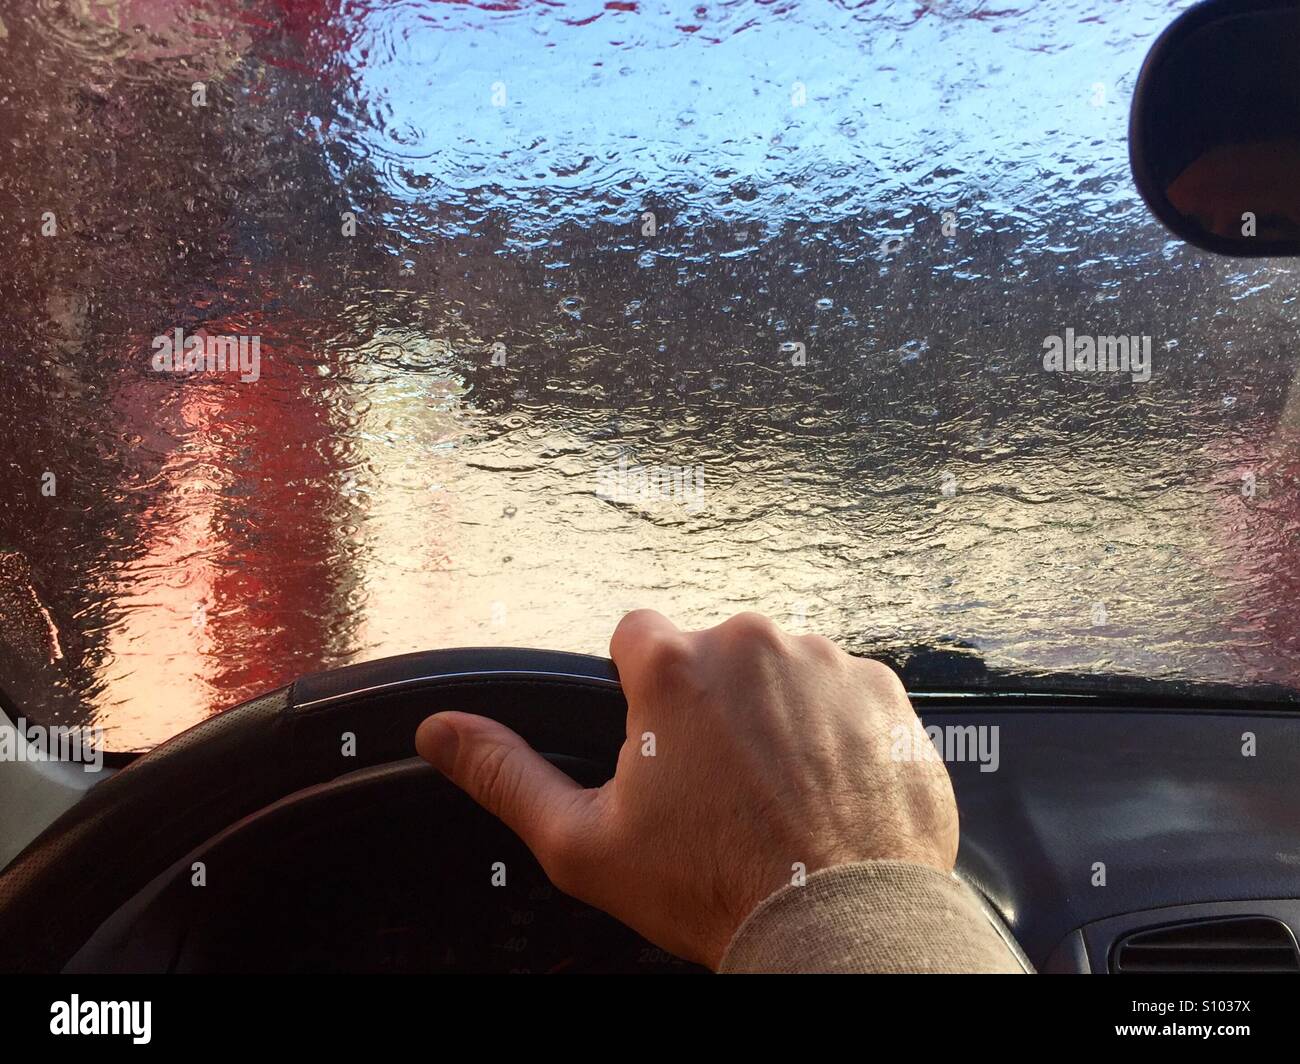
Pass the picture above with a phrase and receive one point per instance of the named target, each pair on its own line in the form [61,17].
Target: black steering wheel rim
[135,824]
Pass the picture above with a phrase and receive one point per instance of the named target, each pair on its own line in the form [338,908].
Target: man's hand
[769,751]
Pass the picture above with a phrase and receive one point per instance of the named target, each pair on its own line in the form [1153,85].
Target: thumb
[506,776]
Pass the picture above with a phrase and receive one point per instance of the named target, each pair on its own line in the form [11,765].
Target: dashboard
[1090,826]
[1108,821]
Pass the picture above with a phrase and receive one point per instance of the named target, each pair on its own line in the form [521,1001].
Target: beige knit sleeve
[872,916]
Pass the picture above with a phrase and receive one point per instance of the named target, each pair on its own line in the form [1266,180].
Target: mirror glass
[1216,129]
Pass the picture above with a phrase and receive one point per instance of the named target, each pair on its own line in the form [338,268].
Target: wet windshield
[336,329]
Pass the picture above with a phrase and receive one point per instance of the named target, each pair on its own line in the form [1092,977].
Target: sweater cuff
[871,916]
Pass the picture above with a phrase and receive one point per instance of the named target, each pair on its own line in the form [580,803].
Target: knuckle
[633,619]
[755,630]
[883,677]
[822,649]
[670,657]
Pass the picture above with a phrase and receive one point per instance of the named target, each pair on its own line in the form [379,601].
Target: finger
[506,776]
[748,629]
[635,630]
[643,644]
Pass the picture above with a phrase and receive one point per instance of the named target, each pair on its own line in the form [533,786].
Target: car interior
[1143,827]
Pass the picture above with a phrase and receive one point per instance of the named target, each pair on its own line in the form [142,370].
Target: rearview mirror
[1214,134]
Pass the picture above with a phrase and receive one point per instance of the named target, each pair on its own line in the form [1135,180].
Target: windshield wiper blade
[958,674]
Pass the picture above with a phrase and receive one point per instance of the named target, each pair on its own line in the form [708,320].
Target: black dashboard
[1104,822]
[1093,825]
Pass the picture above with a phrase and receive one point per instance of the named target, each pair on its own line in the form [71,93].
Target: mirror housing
[1214,131]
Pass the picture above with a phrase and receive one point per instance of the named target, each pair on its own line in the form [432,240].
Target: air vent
[1239,945]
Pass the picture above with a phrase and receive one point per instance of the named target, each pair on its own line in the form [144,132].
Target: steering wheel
[224,773]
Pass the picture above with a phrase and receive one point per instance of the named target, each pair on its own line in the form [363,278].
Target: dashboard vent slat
[1237,945]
